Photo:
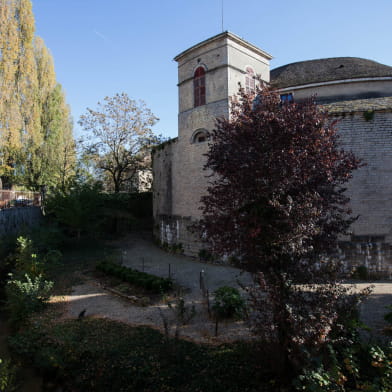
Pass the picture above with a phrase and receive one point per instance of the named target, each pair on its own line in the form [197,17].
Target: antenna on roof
[222,15]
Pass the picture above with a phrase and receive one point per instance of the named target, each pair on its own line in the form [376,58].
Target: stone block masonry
[359,97]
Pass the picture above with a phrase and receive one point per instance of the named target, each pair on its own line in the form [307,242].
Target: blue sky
[102,47]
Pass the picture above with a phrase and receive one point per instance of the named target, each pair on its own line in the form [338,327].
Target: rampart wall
[370,190]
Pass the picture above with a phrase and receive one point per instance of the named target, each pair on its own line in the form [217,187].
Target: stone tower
[209,73]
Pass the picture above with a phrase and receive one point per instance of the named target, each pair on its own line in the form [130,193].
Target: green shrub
[7,376]
[228,303]
[183,313]
[27,261]
[361,272]
[47,237]
[149,282]
[388,316]
[205,255]
[26,296]
[353,365]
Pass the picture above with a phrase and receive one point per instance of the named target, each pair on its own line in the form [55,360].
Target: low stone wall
[374,254]
[176,232]
[13,220]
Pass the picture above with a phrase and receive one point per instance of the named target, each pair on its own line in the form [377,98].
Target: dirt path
[140,253]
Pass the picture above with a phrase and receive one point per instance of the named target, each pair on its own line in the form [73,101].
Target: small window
[199,87]
[250,84]
[200,136]
[286,98]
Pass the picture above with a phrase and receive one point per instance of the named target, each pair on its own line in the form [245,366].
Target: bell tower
[209,73]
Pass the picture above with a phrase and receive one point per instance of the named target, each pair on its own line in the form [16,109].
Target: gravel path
[140,253]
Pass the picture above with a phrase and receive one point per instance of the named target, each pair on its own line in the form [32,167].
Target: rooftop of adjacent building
[326,70]
[380,104]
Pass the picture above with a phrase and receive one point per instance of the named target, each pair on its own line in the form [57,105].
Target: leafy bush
[7,263]
[47,237]
[182,312]
[78,209]
[205,255]
[361,272]
[388,316]
[149,282]
[351,366]
[27,261]
[228,303]
[7,376]
[26,296]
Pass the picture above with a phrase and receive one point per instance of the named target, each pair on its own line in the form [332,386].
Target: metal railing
[15,199]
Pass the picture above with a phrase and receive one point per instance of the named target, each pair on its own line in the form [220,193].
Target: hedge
[152,283]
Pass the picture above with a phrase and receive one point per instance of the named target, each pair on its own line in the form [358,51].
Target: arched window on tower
[199,87]
[250,84]
[200,136]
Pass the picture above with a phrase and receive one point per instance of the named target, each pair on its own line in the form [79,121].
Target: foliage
[368,115]
[77,208]
[84,208]
[36,129]
[228,303]
[7,376]
[276,203]
[102,355]
[125,211]
[120,138]
[349,367]
[142,279]
[47,237]
[18,83]
[51,163]
[183,313]
[7,247]
[28,261]
[172,248]
[206,255]
[388,316]
[361,272]
[26,296]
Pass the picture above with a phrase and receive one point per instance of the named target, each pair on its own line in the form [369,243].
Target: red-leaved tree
[276,205]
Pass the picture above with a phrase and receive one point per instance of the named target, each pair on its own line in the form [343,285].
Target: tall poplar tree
[10,116]
[19,114]
[51,157]
[35,126]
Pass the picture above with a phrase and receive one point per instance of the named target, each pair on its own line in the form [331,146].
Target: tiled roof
[324,70]
[360,105]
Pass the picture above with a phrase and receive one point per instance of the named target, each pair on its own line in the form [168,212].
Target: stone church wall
[370,190]
[178,184]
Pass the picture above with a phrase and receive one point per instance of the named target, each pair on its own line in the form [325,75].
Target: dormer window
[250,83]
[287,98]
[199,87]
